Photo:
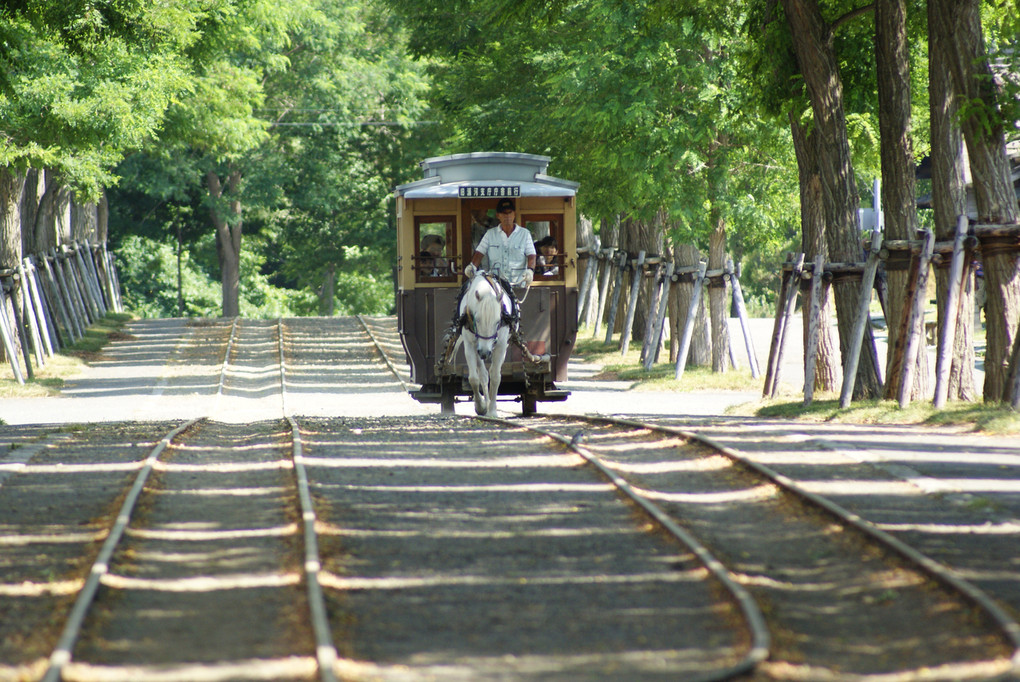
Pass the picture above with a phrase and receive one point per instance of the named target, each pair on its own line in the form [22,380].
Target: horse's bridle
[504,318]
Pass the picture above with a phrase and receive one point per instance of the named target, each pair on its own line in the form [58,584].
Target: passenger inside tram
[547,252]
[432,259]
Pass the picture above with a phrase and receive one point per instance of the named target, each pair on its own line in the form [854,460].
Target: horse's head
[483,311]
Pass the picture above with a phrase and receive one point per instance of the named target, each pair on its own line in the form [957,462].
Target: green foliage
[364,293]
[148,270]
[345,133]
[80,86]
[148,274]
[641,102]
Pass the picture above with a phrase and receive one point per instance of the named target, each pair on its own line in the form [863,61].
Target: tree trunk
[586,238]
[717,298]
[11,186]
[83,221]
[899,202]
[812,40]
[30,198]
[226,217]
[647,236]
[828,372]
[700,354]
[102,219]
[46,232]
[949,200]
[958,24]
[61,211]
[327,292]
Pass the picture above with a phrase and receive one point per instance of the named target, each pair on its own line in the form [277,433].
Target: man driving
[509,248]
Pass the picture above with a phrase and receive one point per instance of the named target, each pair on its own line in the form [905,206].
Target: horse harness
[511,319]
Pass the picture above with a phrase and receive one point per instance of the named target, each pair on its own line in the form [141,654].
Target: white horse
[485,331]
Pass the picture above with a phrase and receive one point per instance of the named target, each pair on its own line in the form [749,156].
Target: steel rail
[325,651]
[934,569]
[223,367]
[753,616]
[61,655]
[383,353]
[326,654]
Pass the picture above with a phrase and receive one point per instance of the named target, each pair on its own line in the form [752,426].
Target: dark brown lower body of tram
[548,325]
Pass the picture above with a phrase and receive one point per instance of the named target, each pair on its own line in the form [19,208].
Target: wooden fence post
[68,287]
[587,290]
[635,290]
[692,310]
[860,322]
[616,296]
[8,335]
[777,331]
[609,256]
[82,288]
[32,322]
[745,328]
[791,304]
[50,342]
[19,326]
[915,330]
[70,282]
[789,289]
[813,312]
[653,309]
[951,316]
[660,317]
[59,300]
[90,273]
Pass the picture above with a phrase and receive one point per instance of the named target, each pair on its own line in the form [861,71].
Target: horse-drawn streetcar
[440,221]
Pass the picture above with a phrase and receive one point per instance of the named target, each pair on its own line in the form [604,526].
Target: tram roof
[486,174]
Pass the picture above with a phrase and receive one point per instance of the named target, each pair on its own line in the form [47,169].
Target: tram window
[547,232]
[435,258]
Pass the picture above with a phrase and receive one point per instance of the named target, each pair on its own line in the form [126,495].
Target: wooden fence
[50,299]
[603,284]
[916,256]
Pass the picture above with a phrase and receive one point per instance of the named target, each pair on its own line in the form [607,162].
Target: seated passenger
[547,251]
[427,265]
[434,244]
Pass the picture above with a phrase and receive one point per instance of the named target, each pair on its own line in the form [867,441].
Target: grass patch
[995,419]
[661,376]
[992,419]
[68,362]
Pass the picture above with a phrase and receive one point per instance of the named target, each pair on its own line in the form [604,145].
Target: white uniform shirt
[508,256]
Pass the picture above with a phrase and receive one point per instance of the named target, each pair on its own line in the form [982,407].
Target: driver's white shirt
[508,256]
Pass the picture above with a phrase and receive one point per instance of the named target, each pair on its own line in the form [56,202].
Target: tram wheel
[446,401]
[529,405]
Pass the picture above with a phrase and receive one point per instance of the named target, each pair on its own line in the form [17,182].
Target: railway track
[187,590]
[436,548]
[680,477]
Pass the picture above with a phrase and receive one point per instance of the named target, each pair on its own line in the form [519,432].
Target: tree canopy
[297,119]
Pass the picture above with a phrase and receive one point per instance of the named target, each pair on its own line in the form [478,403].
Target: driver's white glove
[529,276]
[469,271]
